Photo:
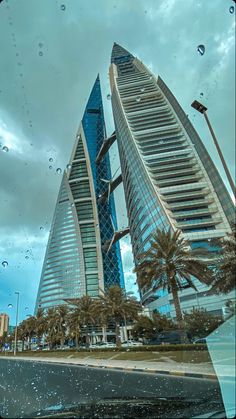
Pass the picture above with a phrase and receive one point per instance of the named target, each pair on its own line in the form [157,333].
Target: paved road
[28,386]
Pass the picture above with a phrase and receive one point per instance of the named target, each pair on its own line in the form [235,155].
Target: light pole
[17,308]
[202,109]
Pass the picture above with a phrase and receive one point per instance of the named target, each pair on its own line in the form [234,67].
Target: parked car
[127,343]
[102,345]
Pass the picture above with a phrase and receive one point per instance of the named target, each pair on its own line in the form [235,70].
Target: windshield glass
[117,208]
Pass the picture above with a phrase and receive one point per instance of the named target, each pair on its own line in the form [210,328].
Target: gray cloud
[42,99]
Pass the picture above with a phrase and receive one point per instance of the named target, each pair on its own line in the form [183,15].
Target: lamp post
[203,110]
[17,308]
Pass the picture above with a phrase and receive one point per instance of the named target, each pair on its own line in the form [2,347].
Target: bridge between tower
[112,185]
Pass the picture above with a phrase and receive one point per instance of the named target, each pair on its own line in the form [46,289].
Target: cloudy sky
[51,52]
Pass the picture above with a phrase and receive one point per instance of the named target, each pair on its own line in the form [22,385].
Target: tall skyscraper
[169,178]
[77,262]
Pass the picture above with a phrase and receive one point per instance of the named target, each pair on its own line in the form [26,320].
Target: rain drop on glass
[201,49]
[4,263]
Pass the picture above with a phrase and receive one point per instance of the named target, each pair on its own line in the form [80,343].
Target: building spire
[118,51]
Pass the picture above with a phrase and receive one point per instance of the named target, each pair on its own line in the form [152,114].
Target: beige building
[4,323]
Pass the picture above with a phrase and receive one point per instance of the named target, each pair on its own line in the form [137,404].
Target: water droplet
[201,94]
[50,167]
[231,10]
[5,149]
[138,98]
[63,7]
[51,159]
[58,170]
[10,306]
[26,257]
[109,97]
[68,166]
[4,263]
[40,53]
[41,228]
[201,49]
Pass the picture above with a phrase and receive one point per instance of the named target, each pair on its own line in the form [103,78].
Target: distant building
[4,323]
[170,180]
[77,262]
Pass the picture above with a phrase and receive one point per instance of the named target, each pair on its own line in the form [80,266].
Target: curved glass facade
[166,170]
[76,261]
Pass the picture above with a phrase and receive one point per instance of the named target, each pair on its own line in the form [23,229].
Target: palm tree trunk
[178,311]
[87,340]
[118,343]
[76,340]
[104,333]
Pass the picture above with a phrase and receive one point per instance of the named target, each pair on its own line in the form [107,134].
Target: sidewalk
[205,370]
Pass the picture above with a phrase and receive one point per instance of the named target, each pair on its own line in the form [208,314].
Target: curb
[152,371]
[129,369]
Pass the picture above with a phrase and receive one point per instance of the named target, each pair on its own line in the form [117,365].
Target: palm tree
[117,306]
[61,322]
[22,332]
[26,329]
[30,324]
[225,266]
[50,328]
[40,323]
[73,326]
[169,264]
[84,314]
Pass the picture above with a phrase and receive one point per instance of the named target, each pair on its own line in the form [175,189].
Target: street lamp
[17,307]
[203,109]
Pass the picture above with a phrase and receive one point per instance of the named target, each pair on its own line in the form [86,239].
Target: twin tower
[168,176]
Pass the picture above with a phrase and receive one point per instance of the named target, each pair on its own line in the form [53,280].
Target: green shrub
[152,348]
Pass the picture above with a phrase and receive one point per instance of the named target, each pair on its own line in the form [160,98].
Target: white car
[127,343]
[109,345]
[100,345]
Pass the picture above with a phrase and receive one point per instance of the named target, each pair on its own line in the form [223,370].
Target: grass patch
[195,357]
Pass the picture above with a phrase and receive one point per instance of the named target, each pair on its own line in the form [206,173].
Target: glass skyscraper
[169,178]
[76,261]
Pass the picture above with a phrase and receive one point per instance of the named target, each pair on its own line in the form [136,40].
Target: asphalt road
[28,386]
